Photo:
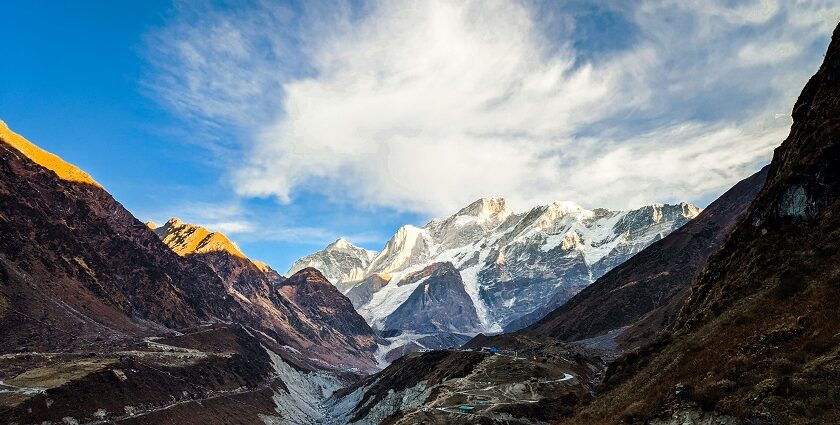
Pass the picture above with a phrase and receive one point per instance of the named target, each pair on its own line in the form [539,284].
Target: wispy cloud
[247,225]
[424,106]
[230,227]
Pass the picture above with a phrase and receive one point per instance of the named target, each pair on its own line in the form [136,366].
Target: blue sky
[288,124]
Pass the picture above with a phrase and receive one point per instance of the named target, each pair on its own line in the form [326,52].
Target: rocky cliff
[757,338]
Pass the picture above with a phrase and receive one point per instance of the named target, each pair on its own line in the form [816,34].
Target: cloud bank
[425,106]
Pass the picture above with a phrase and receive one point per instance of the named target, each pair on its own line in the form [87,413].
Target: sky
[288,124]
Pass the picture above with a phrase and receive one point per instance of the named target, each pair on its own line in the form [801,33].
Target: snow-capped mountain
[340,262]
[510,264]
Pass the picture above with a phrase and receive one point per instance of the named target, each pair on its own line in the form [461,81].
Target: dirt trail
[500,380]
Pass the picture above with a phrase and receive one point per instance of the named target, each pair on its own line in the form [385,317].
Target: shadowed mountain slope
[76,267]
[438,304]
[758,337]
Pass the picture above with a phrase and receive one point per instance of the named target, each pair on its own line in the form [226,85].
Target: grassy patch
[56,375]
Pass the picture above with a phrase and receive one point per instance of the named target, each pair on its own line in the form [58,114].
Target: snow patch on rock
[405,400]
[304,400]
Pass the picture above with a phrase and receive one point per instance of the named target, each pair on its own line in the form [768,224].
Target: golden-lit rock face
[185,239]
[260,265]
[63,169]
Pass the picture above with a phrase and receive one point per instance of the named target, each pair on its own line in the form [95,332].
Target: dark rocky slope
[648,289]
[304,311]
[758,337]
[85,287]
[229,381]
[310,292]
[76,264]
[439,304]
[362,292]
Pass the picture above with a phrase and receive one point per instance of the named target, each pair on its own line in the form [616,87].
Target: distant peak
[342,243]
[684,208]
[566,207]
[690,210]
[486,208]
[174,222]
[407,232]
[409,228]
[549,214]
[151,225]
[186,238]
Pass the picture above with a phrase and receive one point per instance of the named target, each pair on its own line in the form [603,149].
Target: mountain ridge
[508,261]
[63,169]
[73,256]
[639,287]
[339,261]
[186,239]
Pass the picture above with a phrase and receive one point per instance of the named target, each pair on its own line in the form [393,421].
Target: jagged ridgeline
[509,268]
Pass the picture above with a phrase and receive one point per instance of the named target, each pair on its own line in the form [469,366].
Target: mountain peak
[340,262]
[566,206]
[63,169]
[308,275]
[690,210]
[184,239]
[174,222]
[486,208]
[342,243]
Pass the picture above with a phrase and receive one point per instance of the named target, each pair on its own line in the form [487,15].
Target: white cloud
[243,224]
[760,54]
[424,106]
[229,227]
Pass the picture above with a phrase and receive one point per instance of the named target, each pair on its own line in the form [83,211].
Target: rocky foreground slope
[95,312]
[758,337]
